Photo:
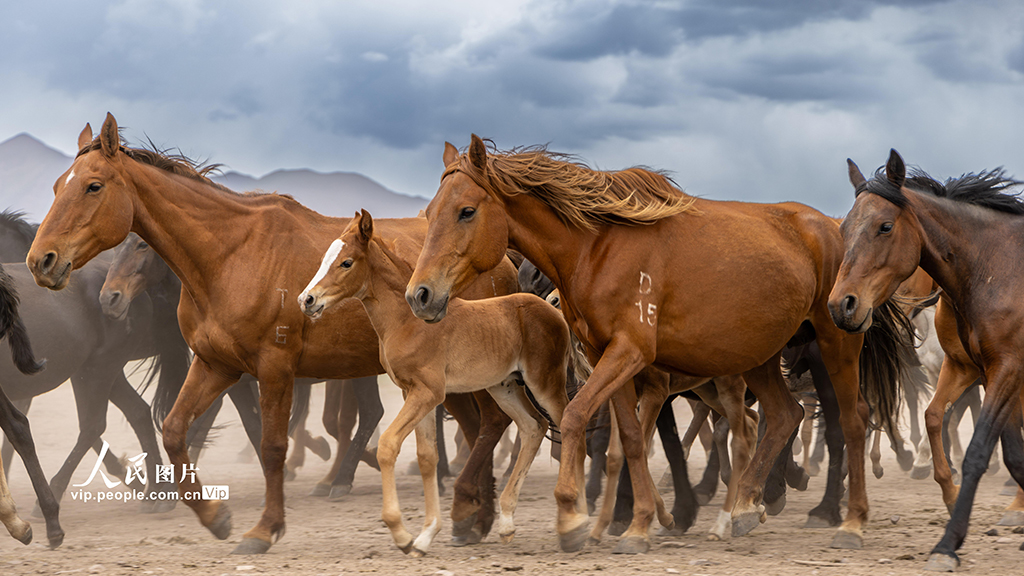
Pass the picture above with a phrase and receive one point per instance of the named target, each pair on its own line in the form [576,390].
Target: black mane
[989,189]
[15,220]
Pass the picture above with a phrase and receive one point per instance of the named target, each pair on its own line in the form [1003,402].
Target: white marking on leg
[722,528]
[506,526]
[329,257]
[423,541]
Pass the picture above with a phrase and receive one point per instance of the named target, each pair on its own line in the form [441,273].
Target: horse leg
[18,528]
[135,409]
[1000,419]
[427,456]
[904,457]
[634,447]
[774,499]
[442,451]
[613,462]
[876,453]
[597,449]
[685,507]
[697,426]
[15,426]
[200,429]
[365,395]
[807,434]
[511,397]
[954,378]
[202,386]
[243,395]
[473,502]
[708,485]
[729,400]
[827,514]
[420,400]
[618,364]
[7,452]
[334,392]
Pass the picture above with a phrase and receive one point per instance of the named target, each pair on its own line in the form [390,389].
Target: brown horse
[483,345]
[650,275]
[966,235]
[240,259]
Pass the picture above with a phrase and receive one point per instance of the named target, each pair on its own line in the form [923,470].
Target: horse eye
[885,228]
[347,263]
[94,187]
[466,213]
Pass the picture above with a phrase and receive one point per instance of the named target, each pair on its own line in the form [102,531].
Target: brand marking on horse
[283,291]
[282,338]
[646,287]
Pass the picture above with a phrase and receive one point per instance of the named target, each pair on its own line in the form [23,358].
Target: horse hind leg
[613,463]
[876,453]
[427,456]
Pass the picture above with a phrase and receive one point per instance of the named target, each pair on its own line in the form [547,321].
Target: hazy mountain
[28,169]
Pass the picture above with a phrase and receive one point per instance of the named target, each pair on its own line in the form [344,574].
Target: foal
[481,345]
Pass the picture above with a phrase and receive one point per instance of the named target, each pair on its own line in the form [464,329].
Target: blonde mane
[578,194]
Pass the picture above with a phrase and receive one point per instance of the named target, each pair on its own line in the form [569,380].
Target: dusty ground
[348,537]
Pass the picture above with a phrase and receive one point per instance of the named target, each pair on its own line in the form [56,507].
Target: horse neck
[384,297]
[554,247]
[177,215]
[952,236]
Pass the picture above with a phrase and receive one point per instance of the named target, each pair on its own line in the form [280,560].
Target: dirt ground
[348,537]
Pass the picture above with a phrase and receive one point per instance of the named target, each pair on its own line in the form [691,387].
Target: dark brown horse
[966,234]
[650,275]
[15,425]
[240,259]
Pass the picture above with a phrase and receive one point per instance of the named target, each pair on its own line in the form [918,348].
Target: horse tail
[885,363]
[300,406]
[13,328]
[173,361]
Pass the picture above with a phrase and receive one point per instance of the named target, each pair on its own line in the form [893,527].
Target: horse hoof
[507,538]
[618,528]
[573,540]
[26,538]
[147,506]
[591,507]
[289,474]
[221,525]
[799,482]
[878,471]
[703,498]
[1012,518]
[819,522]
[675,530]
[942,563]
[321,448]
[591,541]
[905,460]
[338,492]
[416,553]
[775,508]
[744,523]
[1006,491]
[847,541]
[920,472]
[252,546]
[632,545]
[321,491]
[37,512]
[56,539]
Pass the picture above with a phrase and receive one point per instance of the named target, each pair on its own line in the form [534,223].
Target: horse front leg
[782,417]
[954,378]
[484,424]
[620,361]
[636,539]
[729,400]
[365,394]
[276,387]
[202,386]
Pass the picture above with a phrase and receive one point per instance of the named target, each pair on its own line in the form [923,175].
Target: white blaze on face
[70,176]
[329,257]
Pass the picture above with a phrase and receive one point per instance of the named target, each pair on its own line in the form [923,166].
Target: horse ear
[366,225]
[451,154]
[85,138]
[895,169]
[478,153]
[110,140]
[856,178]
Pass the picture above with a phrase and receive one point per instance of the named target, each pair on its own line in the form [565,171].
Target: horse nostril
[849,305]
[310,300]
[49,259]
[115,297]
[423,295]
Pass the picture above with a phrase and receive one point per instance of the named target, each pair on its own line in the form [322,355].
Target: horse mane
[578,194]
[988,189]
[177,163]
[15,220]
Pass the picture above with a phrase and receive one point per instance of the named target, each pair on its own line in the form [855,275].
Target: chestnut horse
[484,345]
[966,235]
[650,275]
[240,258]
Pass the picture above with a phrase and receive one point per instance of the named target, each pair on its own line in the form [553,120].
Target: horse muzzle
[849,315]
[50,270]
[427,304]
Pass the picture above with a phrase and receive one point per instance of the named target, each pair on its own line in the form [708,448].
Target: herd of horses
[660,294]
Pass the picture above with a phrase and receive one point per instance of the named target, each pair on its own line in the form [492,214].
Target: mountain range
[28,169]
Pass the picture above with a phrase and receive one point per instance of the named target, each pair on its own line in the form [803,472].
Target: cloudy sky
[746,99]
